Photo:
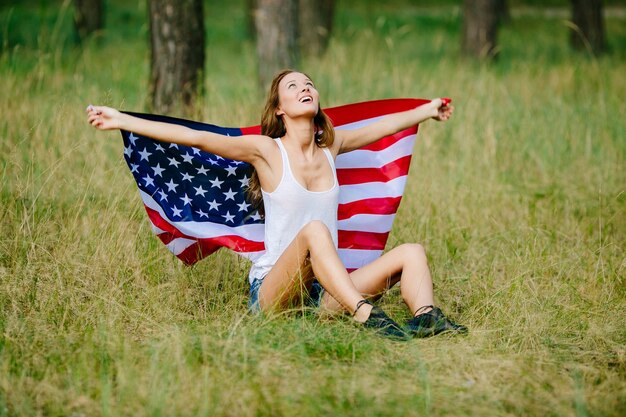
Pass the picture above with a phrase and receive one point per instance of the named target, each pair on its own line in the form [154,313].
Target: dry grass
[520,201]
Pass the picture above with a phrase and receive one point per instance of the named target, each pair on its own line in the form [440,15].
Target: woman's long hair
[273,126]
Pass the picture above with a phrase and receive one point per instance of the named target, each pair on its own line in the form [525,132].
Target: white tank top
[289,208]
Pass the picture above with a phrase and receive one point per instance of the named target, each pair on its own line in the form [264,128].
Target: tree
[503,12]
[250,26]
[315,23]
[480,27]
[88,17]
[177,54]
[588,26]
[276,23]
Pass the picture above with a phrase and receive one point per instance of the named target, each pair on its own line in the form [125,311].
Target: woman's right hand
[103,118]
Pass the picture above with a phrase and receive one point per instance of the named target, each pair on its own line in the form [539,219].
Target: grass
[519,200]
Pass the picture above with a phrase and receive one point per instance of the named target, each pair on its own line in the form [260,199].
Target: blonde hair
[273,126]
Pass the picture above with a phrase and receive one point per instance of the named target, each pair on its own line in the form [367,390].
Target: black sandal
[432,323]
[381,323]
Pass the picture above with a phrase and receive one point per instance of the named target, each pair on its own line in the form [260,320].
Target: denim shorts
[313,298]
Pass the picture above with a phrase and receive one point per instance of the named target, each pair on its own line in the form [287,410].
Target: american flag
[196,201]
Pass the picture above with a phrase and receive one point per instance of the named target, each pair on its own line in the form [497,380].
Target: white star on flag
[187,177]
[229,217]
[158,170]
[216,183]
[230,194]
[245,181]
[200,191]
[171,186]
[148,180]
[163,195]
[173,161]
[145,154]
[176,211]
[243,206]
[214,205]
[187,157]
[186,200]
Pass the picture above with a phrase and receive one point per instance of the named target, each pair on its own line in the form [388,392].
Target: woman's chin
[310,113]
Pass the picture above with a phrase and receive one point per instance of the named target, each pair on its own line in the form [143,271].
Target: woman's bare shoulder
[265,146]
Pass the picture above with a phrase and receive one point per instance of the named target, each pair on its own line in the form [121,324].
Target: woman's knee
[413,252]
[315,231]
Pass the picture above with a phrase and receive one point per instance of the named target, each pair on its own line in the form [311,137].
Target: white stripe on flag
[355,258]
[359,124]
[157,231]
[376,159]
[356,192]
[178,245]
[377,223]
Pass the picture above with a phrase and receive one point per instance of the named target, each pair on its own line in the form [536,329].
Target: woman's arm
[242,148]
[438,109]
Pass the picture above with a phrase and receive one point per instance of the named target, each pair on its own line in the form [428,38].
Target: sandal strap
[420,309]
[359,304]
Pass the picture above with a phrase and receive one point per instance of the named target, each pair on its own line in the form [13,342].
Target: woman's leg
[292,272]
[406,264]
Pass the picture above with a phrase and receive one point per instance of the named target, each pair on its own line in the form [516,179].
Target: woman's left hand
[444,109]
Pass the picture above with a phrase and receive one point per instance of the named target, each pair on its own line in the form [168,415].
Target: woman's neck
[301,133]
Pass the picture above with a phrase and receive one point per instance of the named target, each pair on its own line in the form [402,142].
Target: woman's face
[297,96]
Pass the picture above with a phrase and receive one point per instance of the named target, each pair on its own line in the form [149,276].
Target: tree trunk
[316,23]
[480,27]
[588,30]
[250,26]
[276,23]
[88,17]
[177,54]
[503,12]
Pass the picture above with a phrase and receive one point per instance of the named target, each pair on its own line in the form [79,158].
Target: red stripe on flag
[204,247]
[236,243]
[350,239]
[386,205]
[251,130]
[350,113]
[196,251]
[161,223]
[166,237]
[392,170]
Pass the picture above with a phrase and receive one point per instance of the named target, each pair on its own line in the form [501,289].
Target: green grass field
[520,201]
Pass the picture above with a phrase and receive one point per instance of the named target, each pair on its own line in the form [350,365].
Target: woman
[294,162]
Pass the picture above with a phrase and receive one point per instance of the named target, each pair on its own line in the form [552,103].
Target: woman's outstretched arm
[349,140]
[246,148]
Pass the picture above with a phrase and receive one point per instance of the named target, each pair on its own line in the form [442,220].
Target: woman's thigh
[289,279]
